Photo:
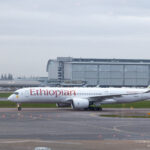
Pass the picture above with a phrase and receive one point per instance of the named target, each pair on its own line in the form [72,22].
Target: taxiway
[69,125]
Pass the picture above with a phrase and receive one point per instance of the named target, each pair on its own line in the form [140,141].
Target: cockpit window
[16,93]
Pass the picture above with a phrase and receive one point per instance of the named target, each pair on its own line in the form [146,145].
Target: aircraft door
[26,93]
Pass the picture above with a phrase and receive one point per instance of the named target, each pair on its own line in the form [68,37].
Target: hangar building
[68,71]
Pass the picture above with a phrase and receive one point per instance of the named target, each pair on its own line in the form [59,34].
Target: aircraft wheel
[86,109]
[95,109]
[92,108]
[19,108]
[100,109]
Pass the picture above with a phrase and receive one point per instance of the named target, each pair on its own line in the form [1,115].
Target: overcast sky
[33,31]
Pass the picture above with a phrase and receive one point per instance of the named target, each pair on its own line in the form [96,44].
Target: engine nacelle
[80,103]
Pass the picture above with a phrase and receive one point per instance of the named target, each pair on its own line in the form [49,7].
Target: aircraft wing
[102,98]
[113,96]
[109,97]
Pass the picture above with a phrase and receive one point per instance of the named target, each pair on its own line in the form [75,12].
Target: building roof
[99,60]
[111,60]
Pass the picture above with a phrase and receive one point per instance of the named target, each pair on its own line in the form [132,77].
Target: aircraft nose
[11,98]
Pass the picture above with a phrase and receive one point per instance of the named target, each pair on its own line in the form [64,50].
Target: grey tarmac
[67,128]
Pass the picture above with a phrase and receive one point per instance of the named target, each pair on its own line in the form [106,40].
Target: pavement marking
[39,141]
[92,115]
[116,129]
[123,131]
[42,148]
[142,142]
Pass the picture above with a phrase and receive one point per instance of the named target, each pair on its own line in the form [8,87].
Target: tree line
[6,77]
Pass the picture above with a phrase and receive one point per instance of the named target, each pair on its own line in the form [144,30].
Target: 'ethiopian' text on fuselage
[55,93]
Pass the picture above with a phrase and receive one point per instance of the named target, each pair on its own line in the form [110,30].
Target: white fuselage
[101,95]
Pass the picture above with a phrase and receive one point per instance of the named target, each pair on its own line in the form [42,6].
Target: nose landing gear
[19,107]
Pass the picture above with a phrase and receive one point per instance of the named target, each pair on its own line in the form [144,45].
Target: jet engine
[80,103]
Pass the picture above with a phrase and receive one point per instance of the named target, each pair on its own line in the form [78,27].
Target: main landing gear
[94,108]
[19,107]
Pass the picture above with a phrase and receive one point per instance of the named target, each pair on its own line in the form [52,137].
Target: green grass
[38,105]
[7,104]
[119,116]
[5,95]
[141,104]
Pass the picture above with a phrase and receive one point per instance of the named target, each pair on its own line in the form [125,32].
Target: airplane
[79,98]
